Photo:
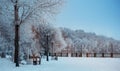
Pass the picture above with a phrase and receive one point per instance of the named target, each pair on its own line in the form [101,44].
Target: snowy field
[66,64]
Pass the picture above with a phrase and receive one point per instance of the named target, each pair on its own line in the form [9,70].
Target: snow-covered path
[66,64]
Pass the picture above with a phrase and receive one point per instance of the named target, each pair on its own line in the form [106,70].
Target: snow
[66,64]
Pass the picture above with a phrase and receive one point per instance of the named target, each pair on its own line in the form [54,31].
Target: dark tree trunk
[3,55]
[47,50]
[47,53]
[16,41]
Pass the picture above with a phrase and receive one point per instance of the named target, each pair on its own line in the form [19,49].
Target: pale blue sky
[99,16]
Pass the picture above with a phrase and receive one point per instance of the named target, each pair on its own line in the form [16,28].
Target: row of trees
[81,41]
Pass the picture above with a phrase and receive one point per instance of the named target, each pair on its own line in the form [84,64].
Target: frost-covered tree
[5,38]
[45,32]
[17,12]
[59,41]
[50,38]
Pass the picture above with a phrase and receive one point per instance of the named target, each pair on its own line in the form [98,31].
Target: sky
[97,16]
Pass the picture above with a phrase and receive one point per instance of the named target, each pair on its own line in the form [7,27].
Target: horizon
[100,17]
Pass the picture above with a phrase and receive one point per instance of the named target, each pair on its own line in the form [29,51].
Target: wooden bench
[36,59]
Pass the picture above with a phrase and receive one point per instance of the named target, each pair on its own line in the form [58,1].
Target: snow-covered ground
[66,64]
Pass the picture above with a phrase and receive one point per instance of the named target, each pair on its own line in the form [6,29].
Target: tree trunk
[16,41]
[47,53]
[16,55]
[47,50]
[47,56]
